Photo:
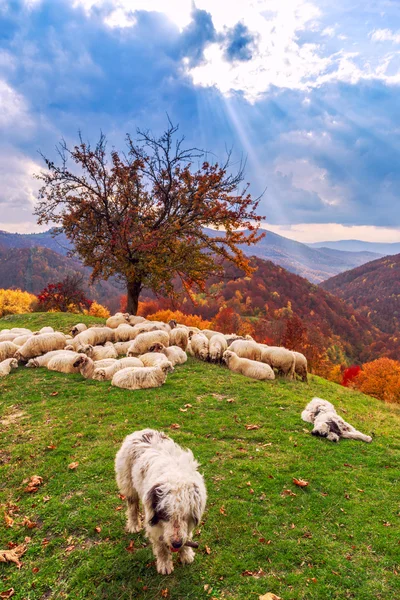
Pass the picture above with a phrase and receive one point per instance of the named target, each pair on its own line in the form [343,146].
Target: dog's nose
[177,544]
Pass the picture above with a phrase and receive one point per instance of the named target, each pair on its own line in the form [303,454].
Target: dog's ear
[198,504]
[154,498]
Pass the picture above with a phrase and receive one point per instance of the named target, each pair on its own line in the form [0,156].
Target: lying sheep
[8,337]
[199,346]
[21,339]
[232,337]
[40,344]
[7,365]
[209,333]
[246,349]
[87,366]
[135,319]
[144,341]
[217,347]
[139,378]
[279,358]
[156,359]
[125,333]
[174,354]
[117,319]
[64,362]
[301,366]
[45,330]
[122,347]
[99,352]
[43,361]
[179,337]
[78,328]
[106,373]
[247,367]
[95,336]
[7,350]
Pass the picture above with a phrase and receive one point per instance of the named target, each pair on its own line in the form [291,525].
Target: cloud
[240,43]
[385,35]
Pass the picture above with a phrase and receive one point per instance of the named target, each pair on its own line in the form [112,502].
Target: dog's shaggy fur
[327,423]
[151,467]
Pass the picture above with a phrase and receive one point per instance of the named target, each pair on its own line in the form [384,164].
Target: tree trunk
[133,292]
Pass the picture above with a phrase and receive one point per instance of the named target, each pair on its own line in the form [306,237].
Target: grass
[337,538]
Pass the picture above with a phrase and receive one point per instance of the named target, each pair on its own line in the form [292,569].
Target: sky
[306,91]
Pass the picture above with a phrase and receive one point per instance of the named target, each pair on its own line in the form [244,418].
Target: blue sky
[307,91]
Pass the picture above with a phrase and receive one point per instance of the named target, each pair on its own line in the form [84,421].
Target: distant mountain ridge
[360,246]
[314,264]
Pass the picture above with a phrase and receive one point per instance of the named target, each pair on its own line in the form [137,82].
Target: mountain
[373,290]
[359,246]
[31,269]
[314,264]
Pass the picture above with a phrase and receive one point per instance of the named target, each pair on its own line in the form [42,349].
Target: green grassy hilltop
[336,538]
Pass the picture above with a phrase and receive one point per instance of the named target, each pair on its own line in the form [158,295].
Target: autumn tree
[141,215]
[380,378]
[64,296]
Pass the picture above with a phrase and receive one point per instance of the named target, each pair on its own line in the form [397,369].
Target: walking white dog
[151,467]
[327,422]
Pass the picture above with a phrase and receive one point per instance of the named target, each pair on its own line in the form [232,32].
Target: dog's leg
[186,555]
[133,524]
[163,557]
[356,435]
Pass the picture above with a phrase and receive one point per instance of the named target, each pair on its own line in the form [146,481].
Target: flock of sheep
[134,353]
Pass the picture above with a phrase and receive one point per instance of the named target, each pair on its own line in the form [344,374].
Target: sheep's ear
[154,497]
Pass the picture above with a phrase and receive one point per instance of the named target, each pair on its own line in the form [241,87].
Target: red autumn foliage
[350,374]
[66,295]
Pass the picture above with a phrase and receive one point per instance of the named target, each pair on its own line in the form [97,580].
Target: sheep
[199,345]
[64,362]
[209,333]
[21,330]
[125,333]
[46,330]
[43,361]
[117,319]
[160,325]
[139,378]
[247,367]
[232,337]
[78,328]
[40,344]
[174,354]
[179,337]
[217,347]
[246,349]
[94,336]
[106,373]
[87,366]
[135,319]
[151,326]
[21,339]
[301,366]
[99,352]
[8,337]
[122,347]
[156,359]
[279,358]
[144,341]
[7,350]
[7,365]
[189,349]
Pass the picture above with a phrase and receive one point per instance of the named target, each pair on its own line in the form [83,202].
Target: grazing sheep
[279,358]
[64,362]
[21,339]
[137,378]
[106,373]
[135,319]
[145,341]
[192,330]
[7,365]
[174,354]
[21,330]
[43,361]
[40,344]
[232,337]
[301,366]
[179,337]
[99,352]
[125,333]
[247,367]
[209,333]
[7,350]
[218,345]
[78,328]
[8,337]
[189,349]
[156,359]
[122,347]
[199,345]
[117,319]
[246,349]
[327,423]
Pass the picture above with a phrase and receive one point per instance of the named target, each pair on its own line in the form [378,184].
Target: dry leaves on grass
[28,523]
[300,482]
[288,493]
[164,593]
[252,427]
[72,466]
[256,574]
[8,520]
[131,547]
[175,426]
[208,550]
[7,593]
[269,596]
[13,555]
[97,528]
[33,484]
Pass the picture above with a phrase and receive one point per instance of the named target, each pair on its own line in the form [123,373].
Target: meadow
[338,537]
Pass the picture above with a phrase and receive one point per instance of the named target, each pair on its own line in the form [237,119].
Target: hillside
[314,264]
[360,246]
[336,538]
[374,290]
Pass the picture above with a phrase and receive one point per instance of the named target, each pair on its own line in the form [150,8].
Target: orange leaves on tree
[381,379]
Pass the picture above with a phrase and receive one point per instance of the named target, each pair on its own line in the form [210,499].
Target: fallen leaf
[165,593]
[97,528]
[252,427]
[13,555]
[35,570]
[7,593]
[175,426]
[122,496]
[208,550]
[9,521]
[222,510]
[46,498]
[255,574]
[51,447]
[34,482]
[130,548]
[54,394]
[188,406]
[288,493]
[183,409]
[347,465]
[28,523]
[300,482]
[269,596]
[230,400]
[73,465]
[70,548]
[119,507]
[45,541]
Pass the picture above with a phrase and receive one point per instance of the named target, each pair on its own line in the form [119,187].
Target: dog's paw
[133,527]
[369,439]
[165,567]
[187,556]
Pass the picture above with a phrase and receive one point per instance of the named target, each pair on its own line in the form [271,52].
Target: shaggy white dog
[327,423]
[151,467]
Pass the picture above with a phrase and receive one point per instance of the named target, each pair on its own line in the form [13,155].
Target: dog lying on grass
[151,467]
[327,422]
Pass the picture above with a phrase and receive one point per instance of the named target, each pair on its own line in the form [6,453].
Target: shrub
[15,302]
[349,375]
[65,296]
[179,317]
[97,310]
[381,379]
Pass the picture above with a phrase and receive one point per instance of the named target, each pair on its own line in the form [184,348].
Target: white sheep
[247,367]
[139,378]
[179,337]
[156,359]
[135,319]
[125,333]
[7,365]
[64,362]
[40,344]
[95,336]
[21,339]
[199,346]
[106,373]
[246,349]
[87,366]
[78,328]
[99,352]
[7,350]
[279,358]
[209,333]
[8,337]
[45,330]
[144,341]
[301,366]
[122,347]
[217,347]
[117,319]
[44,359]
[174,354]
